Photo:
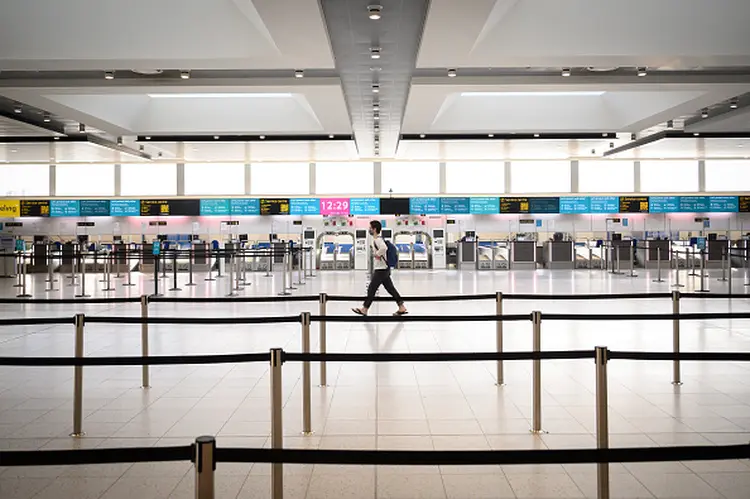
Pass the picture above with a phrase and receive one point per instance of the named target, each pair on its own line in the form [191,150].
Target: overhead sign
[94,207]
[64,208]
[664,204]
[170,207]
[210,207]
[334,206]
[605,204]
[514,205]
[454,206]
[634,204]
[10,208]
[424,206]
[364,206]
[544,205]
[484,206]
[124,207]
[305,206]
[575,204]
[35,207]
[274,206]
[694,204]
[244,206]
[723,204]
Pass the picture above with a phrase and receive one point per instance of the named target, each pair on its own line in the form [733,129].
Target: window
[24,180]
[214,179]
[539,177]
[280,178]
[410,177]
[344,178]
[669,176]
[151,179]
[84,180]
[475,178]
[728,176]
[606,176]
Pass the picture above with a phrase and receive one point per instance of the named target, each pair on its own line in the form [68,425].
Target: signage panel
[664,204]
[424,206]
[514,205]
[575,204]
[274,206]
[394,206]
[305,206]
[95,207]
[124,207]
[10,208]
[154,207]
[245,206]
[64,208]
[334,206]
[170,207]
[364,206]
[634,204]
[544,205]
[743,204]
[35,208]
[723,204]
[693,204]
[605,204]
[484,206]
[210,207]
[454,206]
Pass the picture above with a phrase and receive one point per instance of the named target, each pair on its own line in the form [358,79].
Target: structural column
[506,169]
[702,175]
[637,176]
[443,178]
[574,176]
[181,169]
[313,180]
[377,170]
[52,169]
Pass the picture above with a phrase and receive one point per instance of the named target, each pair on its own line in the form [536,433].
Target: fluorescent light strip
[532,94]
[257,95]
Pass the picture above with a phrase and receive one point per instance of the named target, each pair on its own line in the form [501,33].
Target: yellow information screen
[637,204]
[277,206]
[35,208]
[10,208]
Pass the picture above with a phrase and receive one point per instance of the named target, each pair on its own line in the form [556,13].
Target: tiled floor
[381,406]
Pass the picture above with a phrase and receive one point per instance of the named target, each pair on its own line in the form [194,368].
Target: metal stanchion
[602,422]
[145,374]
[72,275]
[692,263]
[284,287]
[219,258]
[108,272]
[536,319]
[290,266]
[174,287]
[729,278]
[677,272]
[237,273]
[676,337]
[231,277]
[632,261]
[128,271]
[156,275]
[23,293]
[747,263]
[17,264]
[79,321]
[118,275]
[191,257]
[306,410]
[658,266]
[322,326]
[277,432]
[83,294]
[703,272]
[499,337]
[96,266]
[312,261]
[50,276]
[300,265]
[210,276]
[724,265]
[164,266]
[270,261]
[205,467]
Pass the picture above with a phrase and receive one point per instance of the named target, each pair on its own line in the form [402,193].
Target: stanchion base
[78,435]
[292,288]
[109,289]
[26,295]
[232,294]
[723,279]
[500,385]
[285,293]
[18,285]
[632,275]
[129,284]
[158,295]
[323,386]
[677,286]
[307,433]
[211,279]
[658,280]
[83,296]
[55,280]
[702,291]
[538,432]
[51,289]
[175,289]
[299,283]
[191,284]
[677,383]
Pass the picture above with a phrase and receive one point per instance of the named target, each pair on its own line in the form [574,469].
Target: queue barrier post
[536,319]
[677,271]
[284,265]
[83,294]
[205,467]
[108,261]
[79,321]
[322,325]
[290,267]
[128,270]
[658,266]
[174,287]
[306,410]
[191,257]
[676,337]
[703,272]
[145,373]
[210,268]
[632,261]
[277,432]
[231,277]
[499,336]
[729,277]
[602,422]
[24,269]
[723,265]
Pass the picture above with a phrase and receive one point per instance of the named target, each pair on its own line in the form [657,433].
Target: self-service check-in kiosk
[438,249]
[361,250]
[308,241]
[467,250]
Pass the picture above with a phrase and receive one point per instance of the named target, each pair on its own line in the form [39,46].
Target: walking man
[384,258]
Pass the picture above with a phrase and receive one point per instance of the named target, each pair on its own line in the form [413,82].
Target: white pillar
[313,180]
[508,189]
[574,176]
[637,176]
[443,178]
[377,177]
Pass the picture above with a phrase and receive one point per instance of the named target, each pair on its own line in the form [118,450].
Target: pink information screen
[334,206]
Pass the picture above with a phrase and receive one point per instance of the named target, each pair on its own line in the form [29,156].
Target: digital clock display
[334,206]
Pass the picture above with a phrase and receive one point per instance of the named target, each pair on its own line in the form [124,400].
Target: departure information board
[334,206]
[723,204]
[274,206]
[454,206]
[575,204]
[364,206]
[514,205]
[424,206]
[544,205]
[634,204]
[693,204]
[214,207]
[64,208]
[484,206]
[304,206]
[35,207]
[124,207]
[394,206]
[244,206]
[95,207]
[743,204]
[663,204]
[605,204]
[170,207]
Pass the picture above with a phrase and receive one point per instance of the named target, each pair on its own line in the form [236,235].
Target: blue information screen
[723,204]
[64,208]
[424,206]
[544,205]
[664,204]
[484,206]
[244,206]
[694,204]
[605,204]
[94,207]
[364,206]
[454,206]
[125,207]
[575,204]
[214,207]
[304,206]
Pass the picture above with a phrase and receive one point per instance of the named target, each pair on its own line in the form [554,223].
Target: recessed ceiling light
[566,72]
[704,113]
[670,124]
[185,74]
[262,137]
[375,88]
[119,141]
[374,11]
[14,150]
[57,138]
[148,137]
[216,137]
[536,135]
[696,134]
[490,135]
[18,109]
[82,128]
[375,53]
[633,136]
[299,73]
[330,136]
[109,75]
[734,104]
[160,154]
[452,73]
[46,118]
[376,116]
[642,72]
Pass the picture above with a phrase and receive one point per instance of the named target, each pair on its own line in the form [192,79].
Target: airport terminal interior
[186,196]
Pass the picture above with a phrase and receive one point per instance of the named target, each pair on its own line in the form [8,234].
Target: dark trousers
[381,277]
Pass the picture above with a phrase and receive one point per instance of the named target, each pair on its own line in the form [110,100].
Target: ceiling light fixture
[452,73]
[536,135]
[375,53]
[421,135]
[216,137]
[696,134]
[376,107]
[46,118]
[330,136]
[185,74]
[605,135]
[642,72]
[119,141]
[566,72]
[18,109]
[82,128]
[734,104]
[375,88]
[299,73]
[262,137]
[670,124]
[490,135]
[374,11]
[632,136]
[704,113]
[109,75]
[57,138]
[376,116]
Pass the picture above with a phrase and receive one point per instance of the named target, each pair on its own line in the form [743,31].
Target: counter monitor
[394,206]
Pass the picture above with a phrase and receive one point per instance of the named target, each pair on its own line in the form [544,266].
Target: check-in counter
[523,255]
[652,251]
[558,255]
[740,252]
[467,254]
[716,251]
[620,255]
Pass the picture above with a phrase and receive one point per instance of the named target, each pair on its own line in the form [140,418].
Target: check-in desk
[523,255]
[716,251]
[558,255]
[621,255]
[201,256]
[652,251]
[467,255]
[740,253]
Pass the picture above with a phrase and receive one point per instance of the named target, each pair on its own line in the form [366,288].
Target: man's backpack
[391,255]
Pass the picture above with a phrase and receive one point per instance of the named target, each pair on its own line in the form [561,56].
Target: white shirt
[379,250]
